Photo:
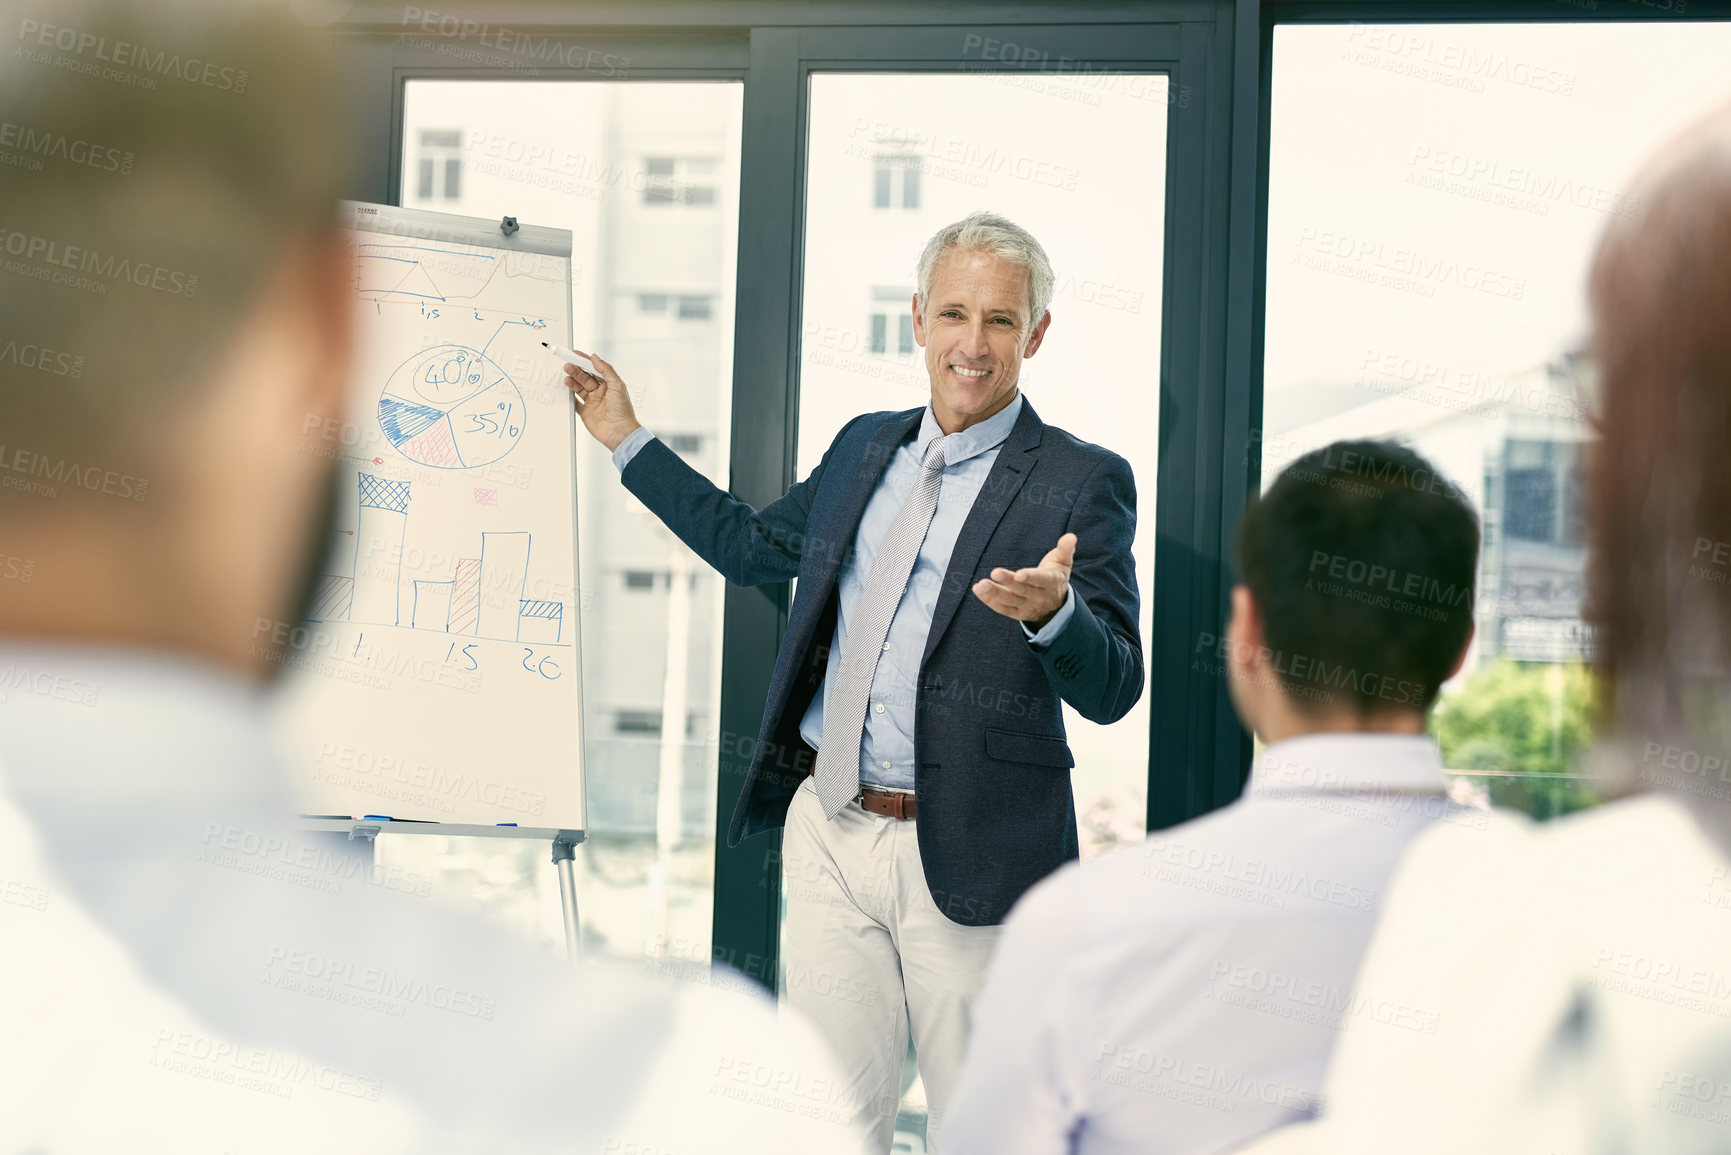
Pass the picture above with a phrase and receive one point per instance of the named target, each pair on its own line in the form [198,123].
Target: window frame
[1275,13]
[1210,332]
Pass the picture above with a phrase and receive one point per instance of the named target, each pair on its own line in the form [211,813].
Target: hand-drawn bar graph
[384,518]
[466,597]
[482,599]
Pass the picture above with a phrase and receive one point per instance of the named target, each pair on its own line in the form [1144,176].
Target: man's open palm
[1034,594]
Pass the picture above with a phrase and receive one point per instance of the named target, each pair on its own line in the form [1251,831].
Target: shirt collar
[975,439]
[1323,763]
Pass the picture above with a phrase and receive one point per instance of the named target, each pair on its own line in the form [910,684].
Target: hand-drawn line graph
[385,270]
[483,598]
[451,407]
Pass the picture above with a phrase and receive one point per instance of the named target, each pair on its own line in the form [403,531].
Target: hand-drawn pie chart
[451,407]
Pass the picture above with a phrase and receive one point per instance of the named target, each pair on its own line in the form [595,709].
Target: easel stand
[564,853]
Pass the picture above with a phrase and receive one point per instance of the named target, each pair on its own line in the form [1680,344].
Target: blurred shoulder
[739,1077]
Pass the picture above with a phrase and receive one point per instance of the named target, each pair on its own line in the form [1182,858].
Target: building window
[639,579]
[881,187]
[1541,492]
[896,182]
[683,443]
[439,169]
[891,314]
[686,307]
[680,180]
[646,722]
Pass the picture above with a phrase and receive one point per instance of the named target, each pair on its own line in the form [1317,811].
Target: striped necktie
[837,769]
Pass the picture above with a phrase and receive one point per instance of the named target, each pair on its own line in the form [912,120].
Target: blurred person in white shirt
[1580,971]
[184,970]
[1183,994]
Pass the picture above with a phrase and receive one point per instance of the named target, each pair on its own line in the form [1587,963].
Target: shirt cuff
[628,448]
[1051,629]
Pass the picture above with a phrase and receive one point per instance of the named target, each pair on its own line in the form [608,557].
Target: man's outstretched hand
[603,403]
[1034,594]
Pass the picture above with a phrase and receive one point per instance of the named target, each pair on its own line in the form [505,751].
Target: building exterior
[1513,444]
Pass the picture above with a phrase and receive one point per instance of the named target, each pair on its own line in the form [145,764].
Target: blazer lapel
[1014,462]
[867,472]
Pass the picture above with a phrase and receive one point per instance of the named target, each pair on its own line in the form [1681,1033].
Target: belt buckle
[898,809]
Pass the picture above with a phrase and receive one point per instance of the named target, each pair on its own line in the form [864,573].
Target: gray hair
[1001,237]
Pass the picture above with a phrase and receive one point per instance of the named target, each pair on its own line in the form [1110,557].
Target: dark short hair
[1361,557]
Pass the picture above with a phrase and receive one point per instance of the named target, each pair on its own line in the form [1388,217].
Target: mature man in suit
[912,742]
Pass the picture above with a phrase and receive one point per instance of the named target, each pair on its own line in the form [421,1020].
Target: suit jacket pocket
[1040,749]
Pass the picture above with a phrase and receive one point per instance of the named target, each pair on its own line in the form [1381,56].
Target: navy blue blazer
[991,761]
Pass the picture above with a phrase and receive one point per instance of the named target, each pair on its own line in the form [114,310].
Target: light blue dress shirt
[887,740]
[1182,995]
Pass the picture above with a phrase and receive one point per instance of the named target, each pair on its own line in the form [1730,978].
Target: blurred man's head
[984,288]
[1355,600]
[172,315]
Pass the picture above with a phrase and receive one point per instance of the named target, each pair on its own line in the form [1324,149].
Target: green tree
[1521,718]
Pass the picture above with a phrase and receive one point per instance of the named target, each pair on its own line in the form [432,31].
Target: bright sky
[1544,116]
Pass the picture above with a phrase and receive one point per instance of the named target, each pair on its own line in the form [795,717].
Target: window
[1541,492]
[584,157]
[686,180]
[904,327]
[683,443]
[439,169]
[896,182]
[1429,233]
[854,257]
[637,722]
[892,312]
[684,306]
[858,352]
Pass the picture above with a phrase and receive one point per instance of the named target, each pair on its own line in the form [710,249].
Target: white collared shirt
[1183,994]
[1580,972]
[188,972]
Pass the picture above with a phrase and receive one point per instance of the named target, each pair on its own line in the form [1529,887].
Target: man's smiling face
[975,329]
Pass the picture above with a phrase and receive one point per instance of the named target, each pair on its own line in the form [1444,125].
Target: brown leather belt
[889,803]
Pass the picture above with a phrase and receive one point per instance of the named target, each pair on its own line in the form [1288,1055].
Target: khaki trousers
[867,954]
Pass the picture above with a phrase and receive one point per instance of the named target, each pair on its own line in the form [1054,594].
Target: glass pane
[1084,152]
[1435,195]
[585,157]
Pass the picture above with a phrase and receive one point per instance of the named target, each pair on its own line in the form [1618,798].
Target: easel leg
[564,851]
